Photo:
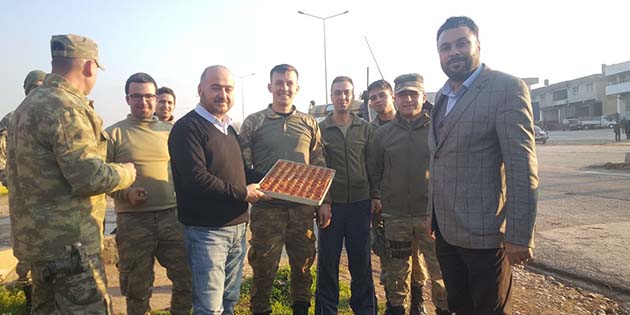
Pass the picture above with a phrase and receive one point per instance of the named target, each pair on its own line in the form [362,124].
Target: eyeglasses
[139,97]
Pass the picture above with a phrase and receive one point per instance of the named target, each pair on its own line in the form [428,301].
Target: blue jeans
[350,225]
[216,258]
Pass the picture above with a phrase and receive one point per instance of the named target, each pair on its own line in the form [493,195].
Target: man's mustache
[456,59]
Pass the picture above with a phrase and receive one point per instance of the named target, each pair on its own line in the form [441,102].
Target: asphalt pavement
[583,225]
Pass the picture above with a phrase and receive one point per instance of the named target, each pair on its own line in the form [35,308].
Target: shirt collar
[199,109]
[447,89]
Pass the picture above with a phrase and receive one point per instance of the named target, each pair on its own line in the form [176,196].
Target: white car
[540,135]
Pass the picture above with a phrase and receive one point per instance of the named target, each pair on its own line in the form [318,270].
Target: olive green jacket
[399,166]
[347,155]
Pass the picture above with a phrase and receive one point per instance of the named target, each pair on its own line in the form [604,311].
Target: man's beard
[463,73]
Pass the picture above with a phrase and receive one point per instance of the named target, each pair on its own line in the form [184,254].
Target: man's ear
[89,68]
[298,89]
[269,87]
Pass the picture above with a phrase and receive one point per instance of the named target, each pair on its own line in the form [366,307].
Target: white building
[618,88]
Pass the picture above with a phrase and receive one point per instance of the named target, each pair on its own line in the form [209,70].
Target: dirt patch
[534,294]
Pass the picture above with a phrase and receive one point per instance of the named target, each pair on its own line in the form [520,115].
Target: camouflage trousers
[83,293]
[271,229]
[141,237]
[412,257]
[22,269]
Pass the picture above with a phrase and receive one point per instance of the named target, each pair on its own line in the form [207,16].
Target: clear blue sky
[175,40]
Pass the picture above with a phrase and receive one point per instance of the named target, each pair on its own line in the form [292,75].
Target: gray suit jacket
[484,172]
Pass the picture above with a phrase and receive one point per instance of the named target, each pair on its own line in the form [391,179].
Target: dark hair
[165,90]
[139,77]
[283,68]
[342,78]
[457,21]
[380,84]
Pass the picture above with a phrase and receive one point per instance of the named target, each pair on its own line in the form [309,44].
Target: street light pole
[325,60]
[242,77]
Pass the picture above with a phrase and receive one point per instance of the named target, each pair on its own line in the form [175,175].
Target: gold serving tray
[297,182]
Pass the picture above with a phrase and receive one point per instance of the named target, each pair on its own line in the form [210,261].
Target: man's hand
[137,195]
[130,167]
[429,227]
[254,194]
[324,215]
[517,254]
[376,206]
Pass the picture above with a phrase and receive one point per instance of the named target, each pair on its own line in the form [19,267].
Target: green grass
[12,301]
[281,296]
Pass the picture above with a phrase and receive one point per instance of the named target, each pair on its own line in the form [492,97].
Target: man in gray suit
[484,175]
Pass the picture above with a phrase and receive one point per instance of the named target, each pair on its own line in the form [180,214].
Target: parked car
[540,135]
[571,124]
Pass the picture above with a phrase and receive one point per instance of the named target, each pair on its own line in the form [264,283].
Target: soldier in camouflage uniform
[33,79]
[281,132]
[146,213]
[381,95]
[399,161]
[57,184]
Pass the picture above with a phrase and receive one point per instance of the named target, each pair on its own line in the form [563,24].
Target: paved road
[584,212]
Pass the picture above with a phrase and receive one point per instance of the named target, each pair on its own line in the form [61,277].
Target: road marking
[604,173]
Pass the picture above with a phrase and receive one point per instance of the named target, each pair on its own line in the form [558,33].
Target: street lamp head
[300,12]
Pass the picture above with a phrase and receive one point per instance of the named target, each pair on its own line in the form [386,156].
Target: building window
[560,95]
[574,90]
[589,87]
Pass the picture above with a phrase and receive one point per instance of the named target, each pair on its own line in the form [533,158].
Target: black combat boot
[440,311]
[28,288]
[300,308]
[416,307]
[394,310]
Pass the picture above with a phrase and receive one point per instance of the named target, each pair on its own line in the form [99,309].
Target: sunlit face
[409,103]
[381,100]
[342,95]
[165,106]
[141,99]
[459,52]
[216,92]
[283,87]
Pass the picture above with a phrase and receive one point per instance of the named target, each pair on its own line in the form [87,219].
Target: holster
[74,261]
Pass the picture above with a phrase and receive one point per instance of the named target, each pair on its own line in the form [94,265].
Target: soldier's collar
[272,114]
[55,80]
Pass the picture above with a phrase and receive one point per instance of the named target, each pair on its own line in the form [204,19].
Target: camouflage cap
[74,46]
[409,82]
[31,78]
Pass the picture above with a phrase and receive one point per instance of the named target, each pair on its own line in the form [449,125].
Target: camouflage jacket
[266,137]
[4,131]
[57,173]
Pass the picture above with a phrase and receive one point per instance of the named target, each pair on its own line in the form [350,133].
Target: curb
[571,276]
